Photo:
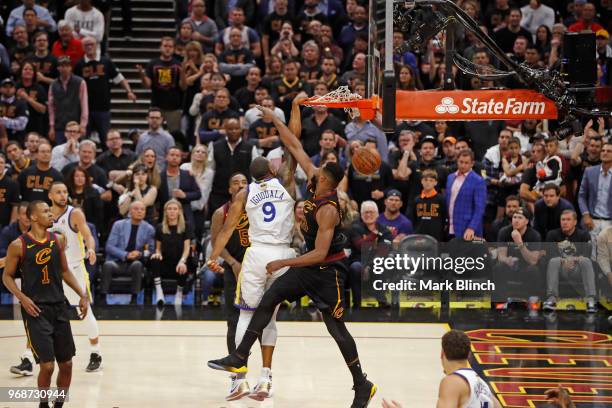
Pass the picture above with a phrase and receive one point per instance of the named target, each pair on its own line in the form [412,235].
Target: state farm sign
[473,105]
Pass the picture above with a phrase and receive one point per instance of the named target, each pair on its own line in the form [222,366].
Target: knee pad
[269,335]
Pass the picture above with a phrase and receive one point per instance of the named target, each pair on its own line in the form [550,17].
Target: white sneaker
[238,389]
[262,390]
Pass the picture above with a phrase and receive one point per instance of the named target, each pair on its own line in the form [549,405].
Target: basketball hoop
[353,104]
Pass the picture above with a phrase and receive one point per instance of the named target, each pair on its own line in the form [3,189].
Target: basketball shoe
[263,389]
[25,368]
[364,393]
[238,389]
[95,362]
[231,363]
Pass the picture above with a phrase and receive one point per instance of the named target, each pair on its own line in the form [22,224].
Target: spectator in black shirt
[36,180]
[21,49]
[31,92]
[513,203]
[98,74]
[310,70]
[272,23]
[328,143]
[399,161]
[116,159]
[329,72]
[162,76]
[313,127]
[205,100]
[84,196]
[9,195]
[427,160]
[288,86]
[505,37]
[518,259]
[235,60]
[18,159]
[548,209]
[262,133]
[570,258]
[246,95]
[13,112]
[87,157]
[527,191]
[178,184]
[45,63]
[212,125]
[429,213]
[311,11]
[172,245]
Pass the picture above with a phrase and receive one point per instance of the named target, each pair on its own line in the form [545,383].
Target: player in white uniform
[70,222]
[269,207]
[462,387]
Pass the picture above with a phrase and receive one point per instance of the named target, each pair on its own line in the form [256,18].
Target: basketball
[366,160]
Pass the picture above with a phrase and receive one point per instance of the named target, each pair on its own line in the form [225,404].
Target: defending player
[269,208]
[70,222]
[318,273]
[233,255]
[40,256]
[462,387]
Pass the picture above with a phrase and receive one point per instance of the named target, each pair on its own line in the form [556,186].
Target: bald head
[260,168]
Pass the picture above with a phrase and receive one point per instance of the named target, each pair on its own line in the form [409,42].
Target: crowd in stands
[144,192]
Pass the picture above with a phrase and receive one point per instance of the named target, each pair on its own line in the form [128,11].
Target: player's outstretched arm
[13,257]
[233,217]
[291,142]
[78,218]
[289,166]
[70,280]
[327,218]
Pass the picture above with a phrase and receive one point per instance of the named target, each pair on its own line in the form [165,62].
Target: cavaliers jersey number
[45,273]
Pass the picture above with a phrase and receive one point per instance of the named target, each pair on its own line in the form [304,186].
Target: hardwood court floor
[162,364]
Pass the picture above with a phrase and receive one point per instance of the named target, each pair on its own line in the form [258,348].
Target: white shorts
[254,279]
[79,271]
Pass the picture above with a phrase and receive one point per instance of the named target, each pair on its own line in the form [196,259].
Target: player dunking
[269,208]
[40,256]
[318,273]
[71,223]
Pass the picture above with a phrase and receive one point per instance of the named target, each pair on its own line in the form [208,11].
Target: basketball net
[337,98]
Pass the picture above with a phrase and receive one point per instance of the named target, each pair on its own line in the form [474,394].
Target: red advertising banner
[473,105]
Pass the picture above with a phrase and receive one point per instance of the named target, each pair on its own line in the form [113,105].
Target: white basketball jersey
[270,210]
[480,393]
[75,248]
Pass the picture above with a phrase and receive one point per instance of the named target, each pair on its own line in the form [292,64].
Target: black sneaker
[364,393]
[25,368]
[95,362]
[231,363]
